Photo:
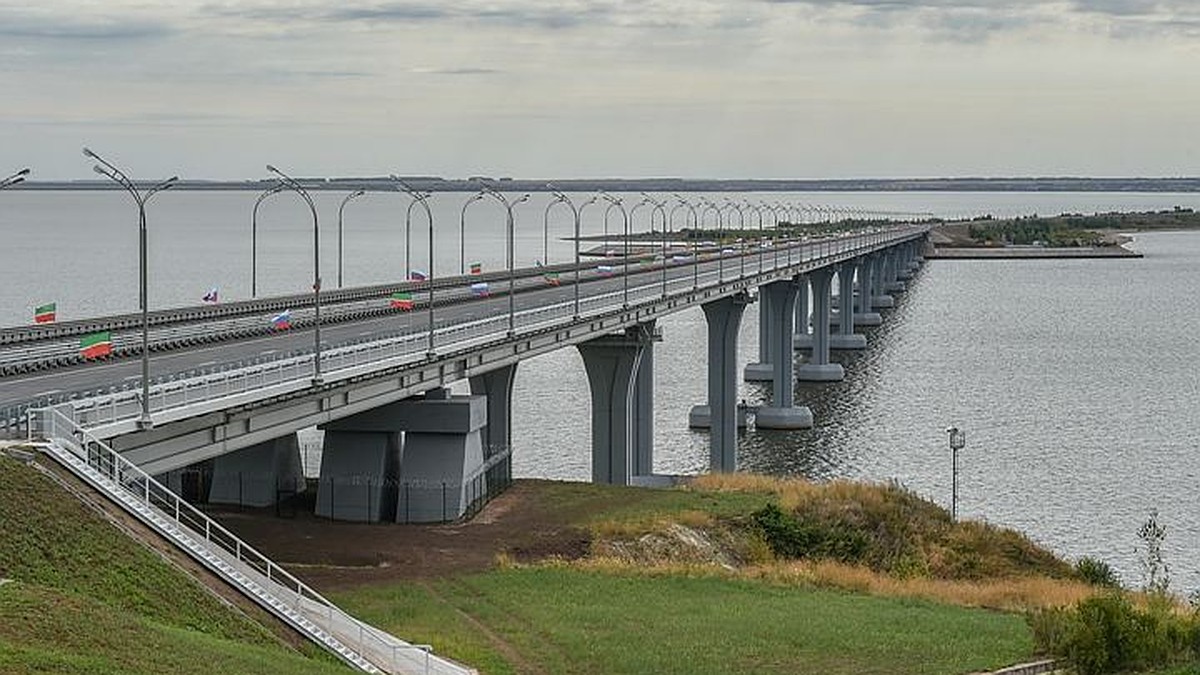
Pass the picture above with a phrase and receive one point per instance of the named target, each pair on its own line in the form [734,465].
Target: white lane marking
[47,393]
[206,363]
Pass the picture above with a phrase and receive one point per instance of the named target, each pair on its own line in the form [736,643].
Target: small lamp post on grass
[958,439]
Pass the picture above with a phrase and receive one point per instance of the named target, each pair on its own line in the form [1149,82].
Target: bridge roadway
[201,340]
[472,341]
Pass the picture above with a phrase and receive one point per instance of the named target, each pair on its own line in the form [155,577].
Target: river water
[1074,380]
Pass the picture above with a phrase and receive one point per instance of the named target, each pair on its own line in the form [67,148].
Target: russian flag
[480,290]
[282,320]
[604,270]
[211,295]
[417,275]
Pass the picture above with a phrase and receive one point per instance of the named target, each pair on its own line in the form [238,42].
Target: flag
[648,260]
[417,275]
[282,320]
[604,270]
[211,295]
[95,345]
[551,278]
[45,313]
[401,300]
[476,268]
[480,290]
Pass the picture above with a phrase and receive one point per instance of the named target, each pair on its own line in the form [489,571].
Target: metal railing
[360,645]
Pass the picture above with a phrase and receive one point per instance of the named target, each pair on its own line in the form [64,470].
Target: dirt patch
[343,555]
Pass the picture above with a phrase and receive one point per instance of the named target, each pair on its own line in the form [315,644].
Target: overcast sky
[591,88]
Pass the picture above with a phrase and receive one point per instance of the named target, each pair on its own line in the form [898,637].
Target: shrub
[1096,572]
[789,537]
[1107,634]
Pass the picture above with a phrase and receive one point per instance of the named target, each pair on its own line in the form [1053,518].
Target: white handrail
[355,641]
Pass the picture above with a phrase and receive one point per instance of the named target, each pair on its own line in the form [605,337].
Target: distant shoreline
[1029,253]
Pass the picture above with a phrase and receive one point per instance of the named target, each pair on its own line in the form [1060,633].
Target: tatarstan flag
[45,313]
[551,278]
[95,345]
[401,300]
[476,268]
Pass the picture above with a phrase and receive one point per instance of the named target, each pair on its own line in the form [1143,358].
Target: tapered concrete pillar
[782,413]
[612,363]
[643,409]
[879,297]
[724,317]
[257,475]
[845,337]
[497,386]
[865,314]
[892,283]
[763,370]
[802,339]
[818,368]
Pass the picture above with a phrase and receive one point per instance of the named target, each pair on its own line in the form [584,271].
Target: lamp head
[358,193]
[99,169]
[23,172]
[272,169]
[87,152]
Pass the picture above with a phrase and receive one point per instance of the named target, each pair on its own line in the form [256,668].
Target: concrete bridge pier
[360,465]
[762,371]
[257,475]
[818,368]
[497,386]
[864,312]
[891,275]
[782,413]
[879,297]
[845,337]
[802,339]
[622,414]
[722,415]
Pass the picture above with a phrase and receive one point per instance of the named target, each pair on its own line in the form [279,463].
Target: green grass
[85,598]
[563,620]
[584,504]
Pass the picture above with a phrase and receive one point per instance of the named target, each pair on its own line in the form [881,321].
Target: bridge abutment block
[441,468]
[358,474]
[257,475]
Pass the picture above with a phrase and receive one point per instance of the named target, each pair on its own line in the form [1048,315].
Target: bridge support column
[845,337]
[612,365]
[891,278]
[722,415]
[441,469]
[782,413]
[865,314]
[762,371]
[255,476]
[879,296]
[497,386]
[802,338]
[818,368]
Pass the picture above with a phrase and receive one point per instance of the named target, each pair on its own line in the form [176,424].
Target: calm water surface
[1074,380]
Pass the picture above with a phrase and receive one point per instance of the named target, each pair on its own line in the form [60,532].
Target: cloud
[69,26]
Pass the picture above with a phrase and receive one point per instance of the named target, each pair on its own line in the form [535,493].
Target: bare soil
[338,555]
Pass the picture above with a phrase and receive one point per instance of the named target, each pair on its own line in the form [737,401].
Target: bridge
[237,390]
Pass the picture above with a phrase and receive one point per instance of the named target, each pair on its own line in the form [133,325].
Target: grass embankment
[82,597]
[686,581]
[1067,229]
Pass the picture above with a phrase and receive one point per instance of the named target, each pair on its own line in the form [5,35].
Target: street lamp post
[421,198]
[695,254]
[730,204]
[578,225]
[18,177]
[117,176]
[289,183]
[661,207]
[342,207]
[560,198]
[958,439]
[275,189]
[758,212]
[508,208]
[462,232]
[616,202]
[709,206]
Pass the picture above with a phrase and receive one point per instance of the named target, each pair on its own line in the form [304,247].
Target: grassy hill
[80,596]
